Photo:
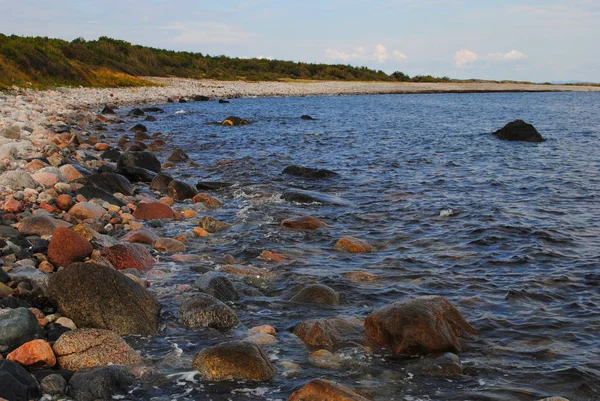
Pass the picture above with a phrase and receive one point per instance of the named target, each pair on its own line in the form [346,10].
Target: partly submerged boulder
[308,172]
[236,360]
[232,121]
[325,390]
[332,333]
[143,159]
[203,310]
[519,130]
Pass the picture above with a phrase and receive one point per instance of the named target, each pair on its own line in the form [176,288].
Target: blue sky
[549,40]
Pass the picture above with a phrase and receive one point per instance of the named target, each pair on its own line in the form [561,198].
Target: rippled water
[506,231]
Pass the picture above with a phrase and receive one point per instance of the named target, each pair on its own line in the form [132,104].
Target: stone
[53,385]
[419,326]
[66,322]
[17,179]
[87,210]
[206,199]
[107,110]
[138,128]
[302,196]
[358,276]
[232,121]
[85,348]
[18,326]
[36,279]
[200,232]
[40,225]
[306,117]
[169,245]
[201,98]
[45,179]
[137,112]
[446,364]
[180,190]
[153,211]
[127,256]
[13,206]
[353,245]
[36,354]
[203,310]
[212,185]
[217,285]
[11,132]
[67,247]
[101,383]
[212,225]
[97,296]
[141,236]
[136,174]
[90,192]
[519,130]
[16,384]
[111,183]
[233,361]
[325,390]
[303,223]
[161,182]
[178,155]
[5,290]
[308,172]
[332,333]
[317,294]
[64,202]
[70,172]
[144,159]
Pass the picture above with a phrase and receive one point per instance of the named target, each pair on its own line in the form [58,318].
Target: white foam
[446,213]
[180,112]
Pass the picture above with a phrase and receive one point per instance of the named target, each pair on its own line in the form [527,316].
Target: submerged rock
[178,155]
[153,211]
[203,310]
[102,383]
[217,285]
[519,130]
[161,182]
[317,294]
[212,185]
[303,223]
[332,333]
[325,390]
[236,360]
[353,245]
[303,196]
[232,121]
[447,364]
[308,172]
[180,190]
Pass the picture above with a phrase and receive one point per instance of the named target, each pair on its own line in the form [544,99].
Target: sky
[527,40]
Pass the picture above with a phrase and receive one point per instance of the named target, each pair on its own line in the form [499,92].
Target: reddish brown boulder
[64,202]
[303,223]
[141,236]
[419,326]
[153,211]
[332,333]
[325,390]
[13,206]
[353,245]
[125,256]
[36,354]
[67,247]
[208,200]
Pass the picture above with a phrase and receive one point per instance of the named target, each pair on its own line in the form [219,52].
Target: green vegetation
[106,62]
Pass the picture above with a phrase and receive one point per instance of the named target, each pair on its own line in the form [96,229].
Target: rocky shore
[79,201]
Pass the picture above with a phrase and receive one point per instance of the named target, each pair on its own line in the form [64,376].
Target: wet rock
[17,179]
[232,121]
[212,225]
[112,154]
[18,326]
[201,98]
[141,236]
[303,223]
[208,200]
[36,354]
[12,132]
[519,130]
[54,385]
[85,348]
[142,159]
[223,101]
[137,112]
[153,211]
[236,360]
[317,294]
[178,155]
[203,310]
[87,210]
[137,174]
[169,245]
[308,172]
[180,190]
[161,182]
[217,285]
[302,196]
[40,225]
[353,245]
[332,333]
[128,256]
[325,359]
[138,128]
[359,276]
[102,383]
[67,247]
[212,185]
[91,192]
[97,296]
[153,109]
[16,384]
[447,364]
[419,326]
[325,390]
[306,117]
[107,110]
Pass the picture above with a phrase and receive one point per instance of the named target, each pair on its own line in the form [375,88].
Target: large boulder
[16,384]
[303,196]
[101,383]
[97,296]
[203,310]
[40,225]
[111,183]
[180,190]
[178,155]
[18,326]
[325,390]
[419,326]
[17,179]
[67,247]
[153,211]
[332,333]
[128,256]
[519,130]
[161,182]
[308,172]
[317,294]
[217,285]
[144,159]
[236,360]
[136,174]
[85,348]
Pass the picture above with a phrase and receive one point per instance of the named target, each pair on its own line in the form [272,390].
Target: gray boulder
[17,179]
[34,277]
[317,294]
[142,159]
[12,132]
[217,285]
[18,326]
[100,383]
[203,310]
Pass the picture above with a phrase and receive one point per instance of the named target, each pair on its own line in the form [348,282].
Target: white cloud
[208,32]
[464,58]
[380,54]
[509,56]
[399,55]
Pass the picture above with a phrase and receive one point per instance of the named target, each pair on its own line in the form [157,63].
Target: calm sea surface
[508,232]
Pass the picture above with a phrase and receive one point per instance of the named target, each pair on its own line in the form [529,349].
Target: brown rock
[13,206]
[419,326]
[353,245]
[46,267]
[101,147]
[317,294]
[39,315]
[153,211]
[207,200]
[168,245]
[273,257]
[141,236]
[125,256]
[332,333]
[303,222]
[240,270]
[358,276]
[35,164]
[67,247]
[40,225]
[64,202]
[325,390]
[200,232]
[180,190]
[36,354]
[85,348]
[87,210]
[212,225]
[70,172]
[236,360]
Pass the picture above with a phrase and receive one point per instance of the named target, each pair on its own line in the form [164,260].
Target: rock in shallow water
[128,256]
[519,130]
[308,172]
[102,383]
[217,285]
[302,196]
[317,294]
[332,333]
[143,159]
[325,390]
[236,360]
[203,310]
